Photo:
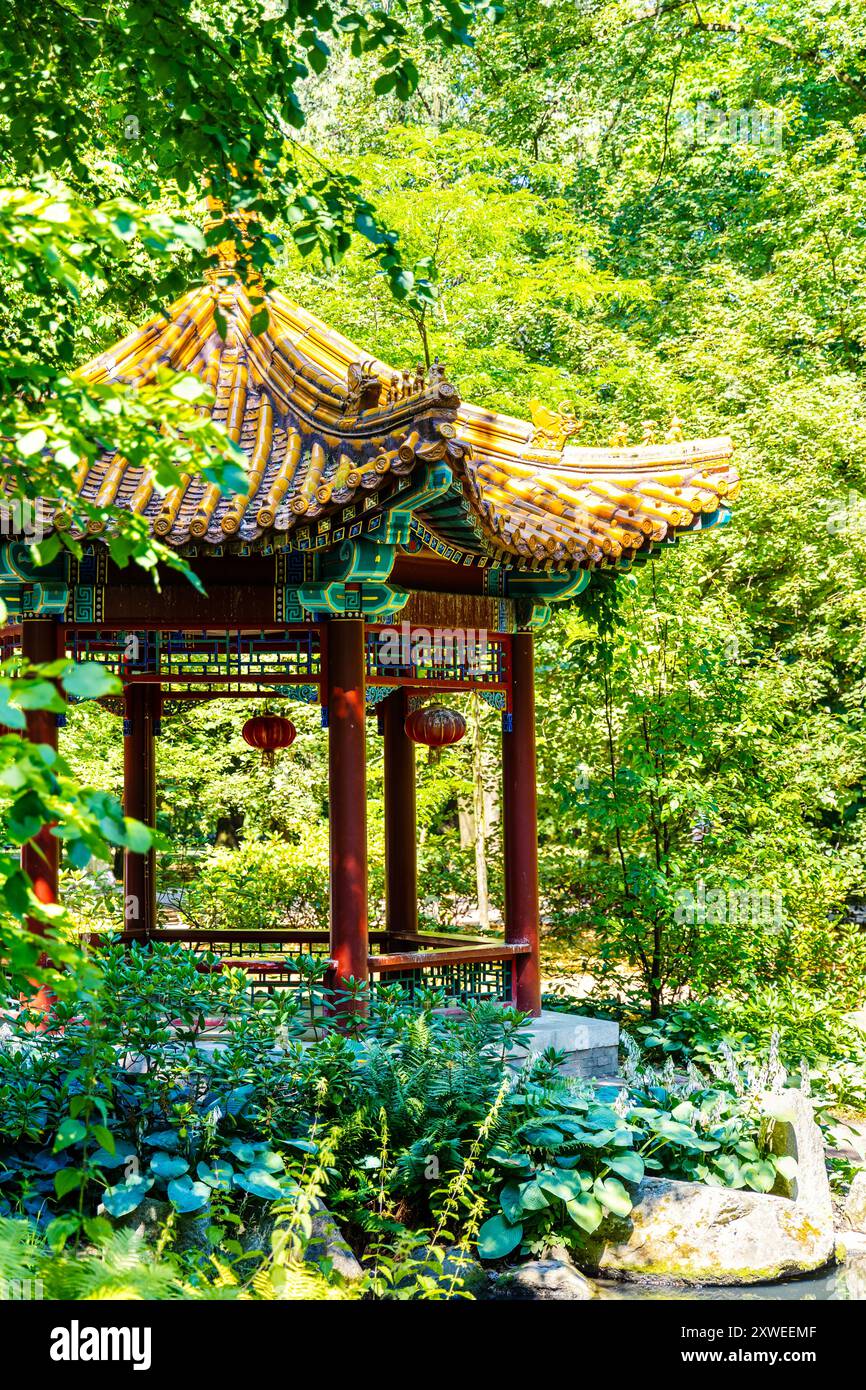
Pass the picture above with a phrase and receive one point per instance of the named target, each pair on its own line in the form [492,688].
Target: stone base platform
[590,1044]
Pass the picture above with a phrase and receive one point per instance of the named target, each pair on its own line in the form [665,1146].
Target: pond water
[836,1283]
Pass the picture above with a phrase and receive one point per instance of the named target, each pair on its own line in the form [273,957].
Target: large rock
[854,1274]
[458,1266]
[711,1235]
[150,1218]
[796,1136]
[190,1233]
[855,1204]
[452,1268]
[326,1243]
[542,1279]
[696,1234]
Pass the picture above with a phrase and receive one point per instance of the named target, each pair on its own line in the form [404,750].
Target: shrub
[264,883]
[422,1129]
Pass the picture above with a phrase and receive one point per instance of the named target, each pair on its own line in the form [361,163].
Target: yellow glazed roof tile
[323,424]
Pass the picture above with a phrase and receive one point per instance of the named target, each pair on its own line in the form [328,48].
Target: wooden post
[140,714]
[401,853]
[42,640]
[520,823]
[347,795]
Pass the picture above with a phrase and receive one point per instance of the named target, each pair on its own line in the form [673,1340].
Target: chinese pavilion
[373,497]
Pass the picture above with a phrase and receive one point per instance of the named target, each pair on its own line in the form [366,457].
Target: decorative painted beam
[30,590]
[354,582]
[535,592]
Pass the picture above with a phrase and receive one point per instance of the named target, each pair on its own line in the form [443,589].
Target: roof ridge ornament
[553,428]
[337,440]
[364,387]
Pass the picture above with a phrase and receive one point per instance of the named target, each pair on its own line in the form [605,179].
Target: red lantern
[435,726]
[269,732]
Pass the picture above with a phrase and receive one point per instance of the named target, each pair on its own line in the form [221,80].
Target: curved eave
[324,424]
[590,506]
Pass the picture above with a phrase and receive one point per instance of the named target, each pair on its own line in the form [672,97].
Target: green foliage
[718,870]
[813,1038]
[265,883]
[417,1126]
[98,219]
[173,100]
[701,728]
[601,237]
[56,251]
[38,788]
[121,1265]
[571,1159]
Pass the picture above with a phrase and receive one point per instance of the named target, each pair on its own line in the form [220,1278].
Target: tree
[170,101]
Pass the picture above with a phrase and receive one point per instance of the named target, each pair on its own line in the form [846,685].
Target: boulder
[449,1266]
[542,1279]
[326,1241]
[150,1218]
[696,1234]
[797,1136]
[854,1275]
[855,1203]
[850,1245]
[692,1233]
[190,1233]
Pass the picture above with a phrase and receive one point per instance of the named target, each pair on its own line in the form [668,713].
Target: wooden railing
[465,972]
[464,967]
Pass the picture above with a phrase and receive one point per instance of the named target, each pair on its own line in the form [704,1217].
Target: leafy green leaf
[561,1183]
[217,1174]
[122,1152]
[166,1166]
[104,1136]
[167,1139]
[760,1176]
[629,1166]
[611,1193]
[89,681]
[586,1212]
[260,1183]
[542,1136]
[186,1195]
[121,1200]
[498,1237]
[66,1180]
[69,1132]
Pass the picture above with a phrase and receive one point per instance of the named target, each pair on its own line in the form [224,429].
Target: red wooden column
[42,640]
[347,796]
[520,823]
[401,854]
[141,705]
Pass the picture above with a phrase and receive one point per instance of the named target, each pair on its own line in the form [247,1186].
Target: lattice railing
[448,658]
[293,655]
[462,982]
[464,968]
[452,656]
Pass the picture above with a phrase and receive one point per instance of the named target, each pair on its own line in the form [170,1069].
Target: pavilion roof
[331,433]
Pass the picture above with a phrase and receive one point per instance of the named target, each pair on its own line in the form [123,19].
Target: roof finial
[619,438]
[236,246]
